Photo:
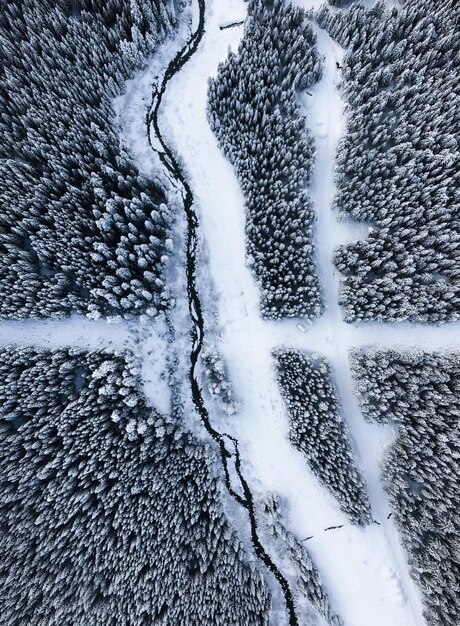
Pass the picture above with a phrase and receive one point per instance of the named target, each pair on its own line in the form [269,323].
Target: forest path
[76,331]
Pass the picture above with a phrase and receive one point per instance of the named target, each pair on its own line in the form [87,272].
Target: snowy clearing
[76,331]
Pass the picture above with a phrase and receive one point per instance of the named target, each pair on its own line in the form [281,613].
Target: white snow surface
[365,571]
[132,106]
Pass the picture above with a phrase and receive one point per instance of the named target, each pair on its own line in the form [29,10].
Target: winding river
[174,170]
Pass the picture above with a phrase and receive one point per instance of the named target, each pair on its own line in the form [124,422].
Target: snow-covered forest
[108,508]
[229,313]
[397,164]
[81,229]
[255,114]
[420,393]
[317,429]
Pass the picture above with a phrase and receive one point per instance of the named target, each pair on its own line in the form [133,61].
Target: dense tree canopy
[80,228]
[109,514]
[398,163]
[318,430]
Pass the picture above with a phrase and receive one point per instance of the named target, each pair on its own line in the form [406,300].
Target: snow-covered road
[76,330]
[326,119]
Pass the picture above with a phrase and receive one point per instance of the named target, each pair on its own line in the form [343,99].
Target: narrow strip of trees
[318,430]
[307,578]
[255,114]
[217,381]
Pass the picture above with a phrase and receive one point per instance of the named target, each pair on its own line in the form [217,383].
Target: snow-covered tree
[318,430]
[307,578]
[217,381]
[80,228]
[397,165]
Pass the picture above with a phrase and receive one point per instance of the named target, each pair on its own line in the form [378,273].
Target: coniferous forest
[397,165]
[252,105]
[110,514]
[420,394]
[318,430]
[176,438]
[81,229]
